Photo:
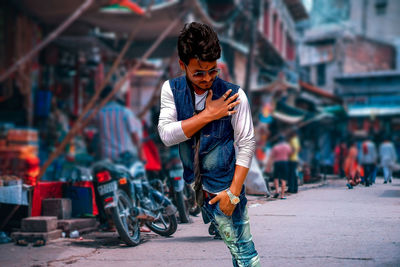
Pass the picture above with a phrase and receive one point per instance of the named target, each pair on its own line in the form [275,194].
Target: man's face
[200,73]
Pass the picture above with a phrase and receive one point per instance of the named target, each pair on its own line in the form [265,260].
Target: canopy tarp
[53,12]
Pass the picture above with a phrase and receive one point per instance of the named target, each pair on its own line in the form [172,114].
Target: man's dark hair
[198,40]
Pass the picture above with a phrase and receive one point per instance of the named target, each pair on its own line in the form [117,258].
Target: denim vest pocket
[221,128]
[219,159]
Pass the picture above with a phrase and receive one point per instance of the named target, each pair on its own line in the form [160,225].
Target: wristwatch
[234,199]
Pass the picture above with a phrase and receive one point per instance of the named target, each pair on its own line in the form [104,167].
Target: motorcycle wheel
[212,230]
[127,226]
[194,211]
[182,207]
[164,225]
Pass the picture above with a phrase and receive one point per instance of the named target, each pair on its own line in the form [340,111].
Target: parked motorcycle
[180,192]
[115,197]
[126,196]
[174,172]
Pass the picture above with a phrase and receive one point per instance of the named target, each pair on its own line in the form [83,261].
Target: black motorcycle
[124,195]
[180,192]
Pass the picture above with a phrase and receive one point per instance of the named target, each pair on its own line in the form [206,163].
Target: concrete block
[77,224]
[59,207]
[39,224]
[31,236]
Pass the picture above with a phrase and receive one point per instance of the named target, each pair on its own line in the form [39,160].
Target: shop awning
[373,111]
[337,110]
[280,83]
[319,92]
[288,114]
[284,117]
[124,21]
[297,9]
[54,12]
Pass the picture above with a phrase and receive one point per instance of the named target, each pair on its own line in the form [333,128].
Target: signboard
[311,55]
[373,101]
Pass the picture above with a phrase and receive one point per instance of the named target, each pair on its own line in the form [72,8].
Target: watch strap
[234,199]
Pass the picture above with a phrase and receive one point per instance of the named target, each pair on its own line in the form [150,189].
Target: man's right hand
[221,107]
[215,109]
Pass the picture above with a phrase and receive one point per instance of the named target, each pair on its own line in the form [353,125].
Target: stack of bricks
[61,207]
[19,153]
[23,139]
[40,227]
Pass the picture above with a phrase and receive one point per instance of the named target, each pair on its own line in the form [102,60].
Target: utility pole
[254,7]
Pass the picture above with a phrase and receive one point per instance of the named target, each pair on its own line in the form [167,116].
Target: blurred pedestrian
[208,117]
[351,164]
[352,169]
[119,129]
[340,157]
[280,155]
[388,159]
[293,160]
[353,180]
[368,160]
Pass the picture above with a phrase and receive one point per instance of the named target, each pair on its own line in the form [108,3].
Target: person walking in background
[292,164]
[340,156]
[368,160]
[119,129]
[388,158]
[280,155]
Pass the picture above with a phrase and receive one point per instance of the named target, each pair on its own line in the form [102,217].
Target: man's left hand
[224,203]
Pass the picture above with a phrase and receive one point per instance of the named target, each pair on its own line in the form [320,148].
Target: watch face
[235,200]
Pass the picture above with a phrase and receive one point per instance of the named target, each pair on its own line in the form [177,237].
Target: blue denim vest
[217,153]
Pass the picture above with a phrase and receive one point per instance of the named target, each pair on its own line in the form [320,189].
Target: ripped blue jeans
[235,231]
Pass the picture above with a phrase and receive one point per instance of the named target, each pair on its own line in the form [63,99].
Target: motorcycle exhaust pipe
[142,214]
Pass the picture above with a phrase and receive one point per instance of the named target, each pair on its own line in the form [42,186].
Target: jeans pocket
[219,211]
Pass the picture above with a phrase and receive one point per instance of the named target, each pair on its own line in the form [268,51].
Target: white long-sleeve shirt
[171,132]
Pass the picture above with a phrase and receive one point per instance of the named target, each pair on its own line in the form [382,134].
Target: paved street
[326,225]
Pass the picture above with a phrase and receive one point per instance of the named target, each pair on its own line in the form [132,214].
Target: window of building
[321,75]
[275,32]
[266,19]
[381,6]
[290,48]
[305,74]
[280,38]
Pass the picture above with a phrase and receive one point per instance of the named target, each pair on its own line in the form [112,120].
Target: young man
[206,116]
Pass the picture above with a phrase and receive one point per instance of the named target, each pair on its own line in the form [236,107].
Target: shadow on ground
[390,193]
[191,239]
[101,240]
[112,241]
